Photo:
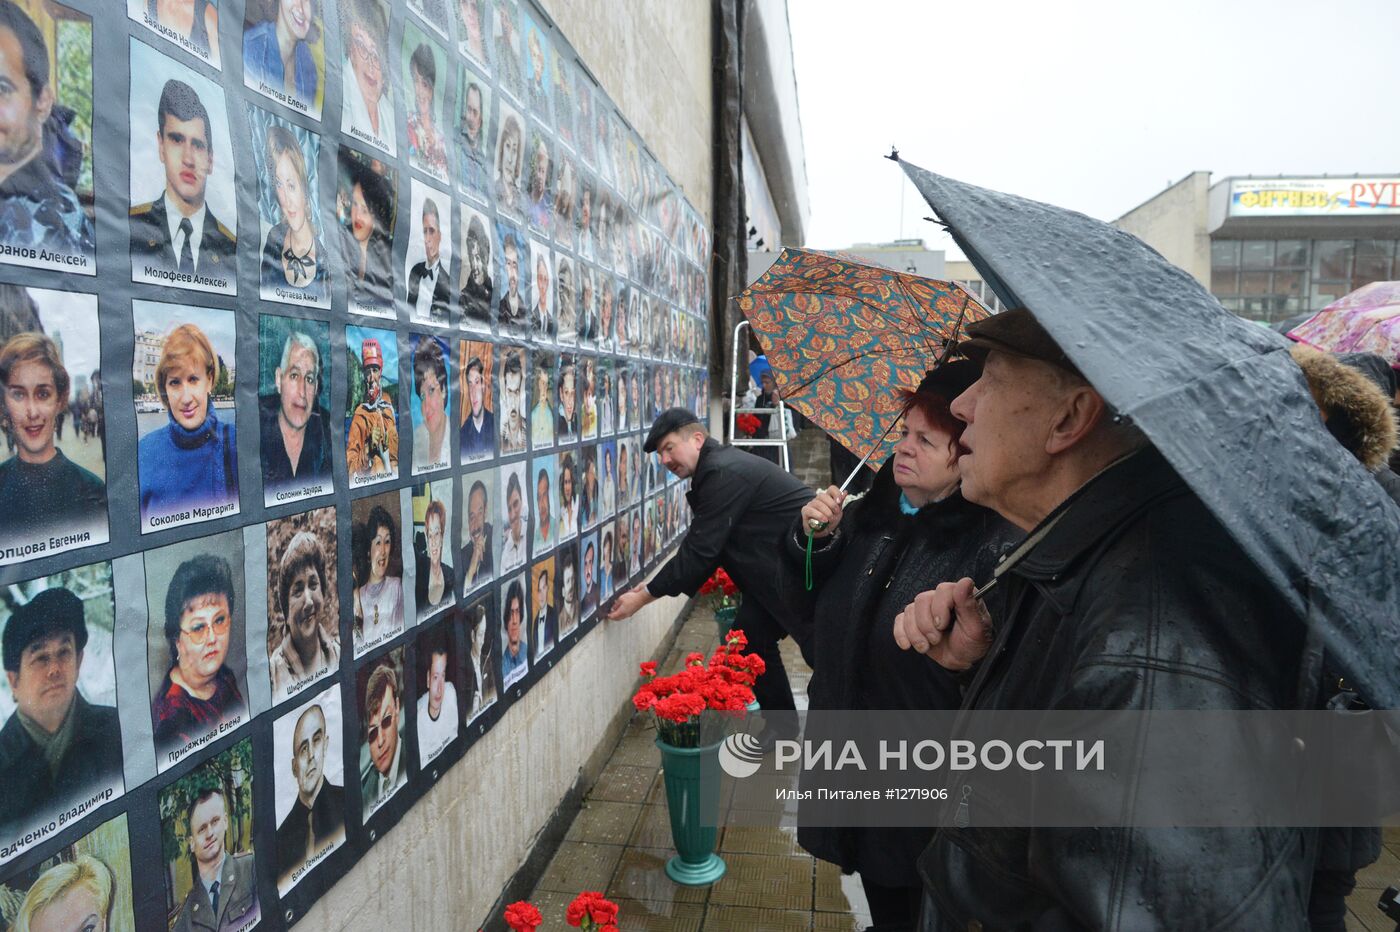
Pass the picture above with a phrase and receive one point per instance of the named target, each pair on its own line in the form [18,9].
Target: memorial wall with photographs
[329,334]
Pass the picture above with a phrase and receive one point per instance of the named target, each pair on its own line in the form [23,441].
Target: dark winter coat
[866,573]
[1136,599]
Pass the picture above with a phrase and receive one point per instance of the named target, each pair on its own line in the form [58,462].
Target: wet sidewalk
[620,842]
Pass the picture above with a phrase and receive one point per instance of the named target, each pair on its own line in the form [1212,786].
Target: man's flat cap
[51,612]
[667,421]
[1016,332]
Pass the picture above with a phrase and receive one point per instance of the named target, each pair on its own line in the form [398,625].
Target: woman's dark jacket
[866,573]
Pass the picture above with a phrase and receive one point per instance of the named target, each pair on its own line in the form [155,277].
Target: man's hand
[947,625]
[824,510]
[630,602]
[478,553]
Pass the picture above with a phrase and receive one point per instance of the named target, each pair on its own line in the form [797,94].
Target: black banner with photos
[329,334]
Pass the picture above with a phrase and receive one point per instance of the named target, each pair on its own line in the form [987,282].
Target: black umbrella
[1288,323]
[1218,396]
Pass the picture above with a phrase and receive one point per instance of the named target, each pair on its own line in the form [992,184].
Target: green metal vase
[692,778]
[724,619]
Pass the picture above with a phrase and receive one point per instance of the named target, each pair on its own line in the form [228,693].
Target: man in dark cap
[1133,598]
[57,747]
[741,504]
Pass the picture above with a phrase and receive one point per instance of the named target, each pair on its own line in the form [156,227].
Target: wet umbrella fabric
[843,337]
[1365,321]
[1218,396]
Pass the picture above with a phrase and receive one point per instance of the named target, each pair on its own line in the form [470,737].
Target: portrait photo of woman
[378,572]
[293,265]
[427,145]
[365,204]
[509,143]
[283,56]
[187,466]
[304,615]
[434,578]
[194,24]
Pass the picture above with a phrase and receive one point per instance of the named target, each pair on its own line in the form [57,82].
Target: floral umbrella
[843,337]
[1365,321]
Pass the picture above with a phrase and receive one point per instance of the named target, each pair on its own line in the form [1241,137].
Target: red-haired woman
[912,530]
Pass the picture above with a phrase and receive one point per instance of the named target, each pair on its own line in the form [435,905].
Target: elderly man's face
[432,236]
[383,733]
[47,678]
[1009,413]
[297,387]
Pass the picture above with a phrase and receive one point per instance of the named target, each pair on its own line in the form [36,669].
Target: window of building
[1270,280]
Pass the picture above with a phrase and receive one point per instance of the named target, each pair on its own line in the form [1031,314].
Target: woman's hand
[824,510]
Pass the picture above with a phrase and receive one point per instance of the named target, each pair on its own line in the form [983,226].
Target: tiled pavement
[620,840]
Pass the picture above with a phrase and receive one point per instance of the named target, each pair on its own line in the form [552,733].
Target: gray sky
[1088,104]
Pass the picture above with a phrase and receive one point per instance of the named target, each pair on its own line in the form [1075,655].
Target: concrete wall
[445,863]
[771,109]
[1175,224]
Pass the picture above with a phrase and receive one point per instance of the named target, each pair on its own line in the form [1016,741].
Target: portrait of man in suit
[382,722]
[428,288]
[316,821]
[175,238]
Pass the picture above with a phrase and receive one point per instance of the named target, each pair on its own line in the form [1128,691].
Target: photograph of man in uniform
[42,218]
[478,537]
[515,643]
[482,658]
[284,52]
[372,434]
[437,703]
[427,143]
[544,616]
[432,440]
[176,237]
[365,204]
[294,426]
[56,748]
[377,567]
[476,270]
[383,770]
[513,429]
[52,493]
[515,518]
[429,295]
[476,438]
[474,153]
[200,643]
[85,885]
[513,305]
[193,25]
[310,804]
[207,819]
[367,105]
[303,630]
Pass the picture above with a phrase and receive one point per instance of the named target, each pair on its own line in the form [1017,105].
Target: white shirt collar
[172,221]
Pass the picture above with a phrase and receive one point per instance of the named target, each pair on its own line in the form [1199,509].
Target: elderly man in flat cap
[57,746]
[742,504]
[1134,598]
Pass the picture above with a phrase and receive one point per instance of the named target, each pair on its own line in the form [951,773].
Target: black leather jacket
[1136,599]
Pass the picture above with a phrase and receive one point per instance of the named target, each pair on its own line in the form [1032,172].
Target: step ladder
[736,392]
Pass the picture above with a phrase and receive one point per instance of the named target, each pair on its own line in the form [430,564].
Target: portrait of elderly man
[294,428]
[56,746]
[42,491]
[38,208]
[177,232]
[224,896]
[372,444]
[437,705]
[311,642]
[385,772]
[476,439]
[317,817]
[199,691]
[366,99]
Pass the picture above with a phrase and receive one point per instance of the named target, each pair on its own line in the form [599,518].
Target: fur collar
[1357,412]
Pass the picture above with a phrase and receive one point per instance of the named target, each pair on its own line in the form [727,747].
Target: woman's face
[295,17]
[566,485]
[187,393]
[305,599]
[476,258]
[204,636]
[361,217]
[77,910]
[379,554]
[434,533]
[423,97]
[510,157]
[433,399]
[291,193]
[925,459]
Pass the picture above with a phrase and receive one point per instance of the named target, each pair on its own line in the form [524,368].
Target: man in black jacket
[1135,598]
[742,505]
[57,748]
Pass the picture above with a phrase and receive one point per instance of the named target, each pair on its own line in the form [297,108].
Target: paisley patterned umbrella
[843,337]
[1365,321]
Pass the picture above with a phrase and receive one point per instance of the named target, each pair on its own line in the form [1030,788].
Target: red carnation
[649,668]
[523,917]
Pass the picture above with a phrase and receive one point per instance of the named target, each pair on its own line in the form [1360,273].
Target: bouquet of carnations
[721,585]
[722,684]
[590,911]
[747,424]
